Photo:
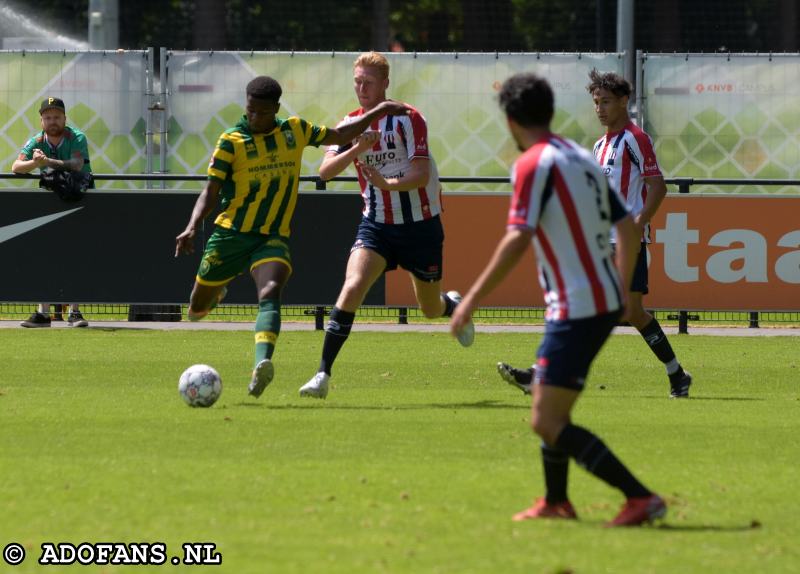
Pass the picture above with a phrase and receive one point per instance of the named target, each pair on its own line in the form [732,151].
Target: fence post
[684,183]
[683,322]
[319,317]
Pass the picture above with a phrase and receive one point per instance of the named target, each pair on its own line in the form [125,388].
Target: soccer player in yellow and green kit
[254,174]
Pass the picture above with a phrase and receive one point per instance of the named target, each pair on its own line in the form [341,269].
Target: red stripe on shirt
[424,203]
[649,167]
[420,134]
[605,149]
[387,206]
[523,184]
[584,254]
[550,256]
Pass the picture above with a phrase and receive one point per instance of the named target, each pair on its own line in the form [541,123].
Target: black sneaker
[680,388]
[75,319]
[36,320]
[520,378]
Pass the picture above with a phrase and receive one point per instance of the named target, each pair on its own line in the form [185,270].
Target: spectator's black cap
[48,103]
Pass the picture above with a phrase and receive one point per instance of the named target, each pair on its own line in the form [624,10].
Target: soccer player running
[627,157]
[400,224]
[566,207]
[254,174]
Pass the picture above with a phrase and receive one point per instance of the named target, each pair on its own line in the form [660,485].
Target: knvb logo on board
[731,88]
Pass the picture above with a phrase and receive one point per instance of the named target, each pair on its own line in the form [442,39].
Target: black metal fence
[403,315]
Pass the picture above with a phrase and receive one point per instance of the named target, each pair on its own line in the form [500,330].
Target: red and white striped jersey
[560,194]
[403,139]
[627,157]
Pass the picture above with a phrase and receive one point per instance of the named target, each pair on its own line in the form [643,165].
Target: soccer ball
[200,386]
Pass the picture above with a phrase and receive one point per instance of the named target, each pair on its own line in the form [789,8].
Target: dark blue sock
[556,467]
[592,454]
[336,334]
[449,305]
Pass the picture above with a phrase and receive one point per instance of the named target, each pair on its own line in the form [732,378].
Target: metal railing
[402,315]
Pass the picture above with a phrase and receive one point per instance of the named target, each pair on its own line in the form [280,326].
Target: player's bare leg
[433,303]
[429,296]
[203,299]
[364,267]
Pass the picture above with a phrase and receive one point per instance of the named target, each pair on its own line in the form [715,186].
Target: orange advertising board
[726,252]
[473,225]
[712,252]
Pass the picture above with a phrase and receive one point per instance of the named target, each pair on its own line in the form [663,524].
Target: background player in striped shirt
[626,155]
[254,173]
[400,223]
[564,205]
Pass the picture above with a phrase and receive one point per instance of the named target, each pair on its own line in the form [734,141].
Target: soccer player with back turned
[254,172]
[626,155]
[564,205]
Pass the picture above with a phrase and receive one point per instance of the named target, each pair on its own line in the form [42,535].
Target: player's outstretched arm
[417,176]
[335,163]
[505,258]
[346,133]
[184,242]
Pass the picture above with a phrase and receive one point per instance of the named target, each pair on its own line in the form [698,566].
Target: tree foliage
[434,25]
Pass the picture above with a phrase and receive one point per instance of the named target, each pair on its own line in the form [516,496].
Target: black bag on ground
[67,185]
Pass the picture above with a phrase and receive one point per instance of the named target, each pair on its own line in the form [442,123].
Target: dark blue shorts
[416,247]
[640,277]
[569,347]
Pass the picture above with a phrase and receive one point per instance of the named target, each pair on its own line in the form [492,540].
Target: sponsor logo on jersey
[379,158]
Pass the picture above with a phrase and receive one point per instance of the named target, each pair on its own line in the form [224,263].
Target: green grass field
[415,463]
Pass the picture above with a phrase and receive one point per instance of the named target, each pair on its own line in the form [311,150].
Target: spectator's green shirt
[72,145]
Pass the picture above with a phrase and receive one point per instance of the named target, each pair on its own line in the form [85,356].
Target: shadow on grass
[487,404]
[666,398]
[707,527]
[661,526]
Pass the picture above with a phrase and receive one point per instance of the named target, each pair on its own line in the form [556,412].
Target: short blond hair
[374,60]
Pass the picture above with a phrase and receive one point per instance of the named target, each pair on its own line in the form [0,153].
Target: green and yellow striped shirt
[260,174]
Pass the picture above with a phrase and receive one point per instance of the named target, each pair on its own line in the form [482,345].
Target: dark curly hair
[610,81]
[528,100]
[264,88]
